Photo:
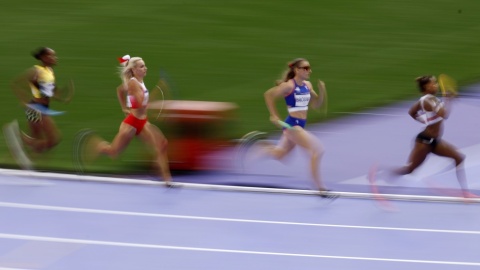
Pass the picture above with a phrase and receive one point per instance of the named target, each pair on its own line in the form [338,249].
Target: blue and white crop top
[298,98]
[430,117]
[132,102]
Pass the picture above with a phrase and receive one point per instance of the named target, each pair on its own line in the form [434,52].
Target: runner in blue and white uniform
[299,94]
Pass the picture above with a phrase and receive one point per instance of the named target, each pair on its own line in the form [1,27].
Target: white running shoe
[12,135]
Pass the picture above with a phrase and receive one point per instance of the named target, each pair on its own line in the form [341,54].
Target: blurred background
[368,52]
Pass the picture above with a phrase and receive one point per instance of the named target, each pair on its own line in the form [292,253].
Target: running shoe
[381,201]
[328,194]
[12,135]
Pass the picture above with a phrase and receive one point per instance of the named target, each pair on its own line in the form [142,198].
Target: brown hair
[290,72]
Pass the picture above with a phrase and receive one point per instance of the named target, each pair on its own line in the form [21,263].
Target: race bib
[302,100]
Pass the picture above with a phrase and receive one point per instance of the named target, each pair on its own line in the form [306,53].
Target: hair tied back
[124,60]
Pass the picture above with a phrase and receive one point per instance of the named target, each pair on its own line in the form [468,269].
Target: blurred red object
[198,132]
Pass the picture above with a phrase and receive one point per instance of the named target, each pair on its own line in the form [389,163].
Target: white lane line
[376,114]
[237,251]
[143,214]
[76,177]
[8,268]
[116,180]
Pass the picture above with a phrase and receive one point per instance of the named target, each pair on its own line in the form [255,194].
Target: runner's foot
[12,135]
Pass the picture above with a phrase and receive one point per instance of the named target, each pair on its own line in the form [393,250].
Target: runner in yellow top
[40,80]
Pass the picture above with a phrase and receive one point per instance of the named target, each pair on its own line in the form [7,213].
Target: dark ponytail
[39,52]
[424,80]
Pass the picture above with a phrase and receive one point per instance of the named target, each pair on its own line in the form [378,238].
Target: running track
[52,221]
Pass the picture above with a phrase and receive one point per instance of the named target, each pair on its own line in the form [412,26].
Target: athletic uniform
[297,100]
[45,88]
[429,118]
[131,120]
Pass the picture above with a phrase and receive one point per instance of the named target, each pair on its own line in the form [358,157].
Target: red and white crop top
[132,102]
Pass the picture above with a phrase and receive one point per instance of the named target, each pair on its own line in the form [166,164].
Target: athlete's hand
[274,119]
[449,95]
[126,110]
[321,86]
[70,92]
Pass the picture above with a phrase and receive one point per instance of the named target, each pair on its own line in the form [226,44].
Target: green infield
[368,52]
